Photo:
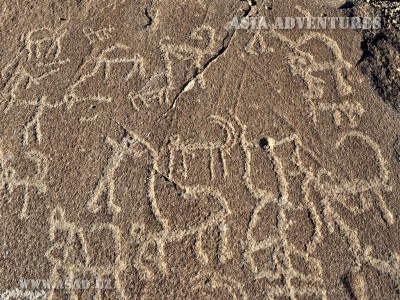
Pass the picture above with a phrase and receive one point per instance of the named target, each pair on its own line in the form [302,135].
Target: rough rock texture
[150,151]
[381,57]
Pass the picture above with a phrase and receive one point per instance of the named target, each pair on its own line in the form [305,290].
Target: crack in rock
[225,45]
[149,18]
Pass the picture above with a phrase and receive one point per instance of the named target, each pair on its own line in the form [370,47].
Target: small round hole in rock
[264,144]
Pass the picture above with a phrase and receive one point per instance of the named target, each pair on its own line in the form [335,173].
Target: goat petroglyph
[167,233]
[219,149]
[102,64]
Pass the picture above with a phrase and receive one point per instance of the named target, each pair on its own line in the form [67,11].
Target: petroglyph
[33,126]
[337,190]
[357,285]
[304,64]
[331,191]
[89,119]
[37,41]
[352,111]
[257,44]
[202,3]
[97,8]
[71,257]
[275,177]
[303,11]
[98,35]
[390,267]
[103,64]
[37,59]
[234,289]
[154,91]
[167,234]
[23,294]
[106,184]
[281,250]
[136,62]
[10,180]
[185,52]
[219,149]
[34,123]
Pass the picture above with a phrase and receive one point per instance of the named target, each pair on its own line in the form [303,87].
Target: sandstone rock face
[198,149]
